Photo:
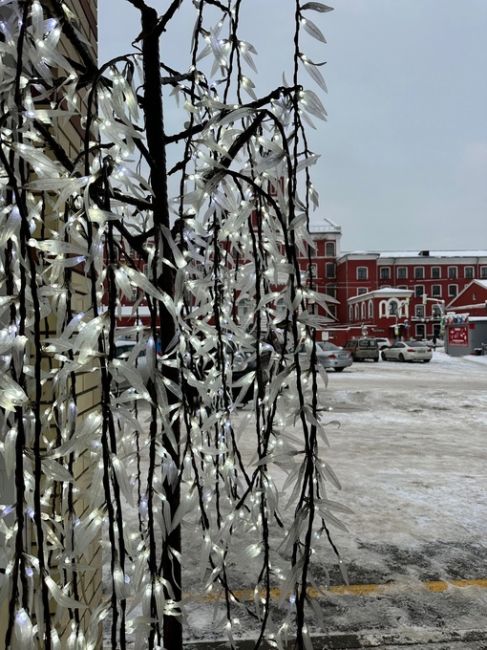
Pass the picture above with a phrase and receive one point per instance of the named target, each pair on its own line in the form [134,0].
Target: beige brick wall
[88,393]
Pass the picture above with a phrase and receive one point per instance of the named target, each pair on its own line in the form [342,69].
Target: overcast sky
[404,151]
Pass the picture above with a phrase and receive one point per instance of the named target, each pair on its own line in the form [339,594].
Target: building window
[382,308]
[356,312]
[330,270]
[420,331]
[468,272]
[393,308]
[362,273]
[452,290]
[385,272]
[371,309]
[436,311]
[402,286]
[436,291]
[483,272]
[419,290]
[350,313]
[361,291]
[452,272]
[363,311]
[419,311]
[402,272]
[312,271]
[333,310]
[435,272]
[331,291]
[419,272]
[330,249]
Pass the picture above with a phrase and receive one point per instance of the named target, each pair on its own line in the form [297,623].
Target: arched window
[393,308]
[330,249]
[363,311]
[350,312]
[371,309]
[382,308]
[356,312]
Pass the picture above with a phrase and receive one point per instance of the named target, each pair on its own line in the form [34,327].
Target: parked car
[382,342]
[363,349]
[330,356]
[407,351]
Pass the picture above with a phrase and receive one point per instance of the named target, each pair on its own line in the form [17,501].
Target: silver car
[331,356]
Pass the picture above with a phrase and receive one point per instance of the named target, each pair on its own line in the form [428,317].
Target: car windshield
[367,343]
[416,344]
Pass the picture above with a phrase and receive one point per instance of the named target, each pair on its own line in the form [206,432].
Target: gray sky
[404,151]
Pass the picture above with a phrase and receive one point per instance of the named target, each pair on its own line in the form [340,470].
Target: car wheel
[338,369]
[401,357]
[383,356]
[426,360]
[376,360]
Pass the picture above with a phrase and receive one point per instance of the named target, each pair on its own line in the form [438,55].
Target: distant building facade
[400,294]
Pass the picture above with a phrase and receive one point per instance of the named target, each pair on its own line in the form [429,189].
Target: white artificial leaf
[61,597]
[55,471]
[313,30]
[316,6]
[122,479]
[315,74]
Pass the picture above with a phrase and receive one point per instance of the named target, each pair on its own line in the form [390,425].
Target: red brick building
[397,294]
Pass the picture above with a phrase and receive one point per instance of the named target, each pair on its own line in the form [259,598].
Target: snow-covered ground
[410,453]
[411,456]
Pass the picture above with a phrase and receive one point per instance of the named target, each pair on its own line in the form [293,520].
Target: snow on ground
[410,454]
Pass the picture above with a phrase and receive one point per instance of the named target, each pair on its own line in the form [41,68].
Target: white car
[382,342]
[407,351]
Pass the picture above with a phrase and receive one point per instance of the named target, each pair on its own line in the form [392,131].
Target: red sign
[458,335]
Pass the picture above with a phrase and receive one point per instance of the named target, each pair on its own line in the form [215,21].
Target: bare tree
[220,314]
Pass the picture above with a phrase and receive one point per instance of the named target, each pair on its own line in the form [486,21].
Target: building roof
[420,255]
[385,292]
[430,253]
[325,225]
[457,299]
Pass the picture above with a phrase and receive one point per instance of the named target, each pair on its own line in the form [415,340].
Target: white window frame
[416,270]
[472,268]
[450,294]
[334,270]
[362,268]
[438,268]
[385,268]
[361,291]
[455,275]
[333,245]
[416,293]
[420,311]
[483,272]
[371,309]
[399,276]
[433,294]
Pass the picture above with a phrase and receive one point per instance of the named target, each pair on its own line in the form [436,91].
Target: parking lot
[410,453]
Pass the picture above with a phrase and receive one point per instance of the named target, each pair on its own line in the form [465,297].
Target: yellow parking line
[435,586]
